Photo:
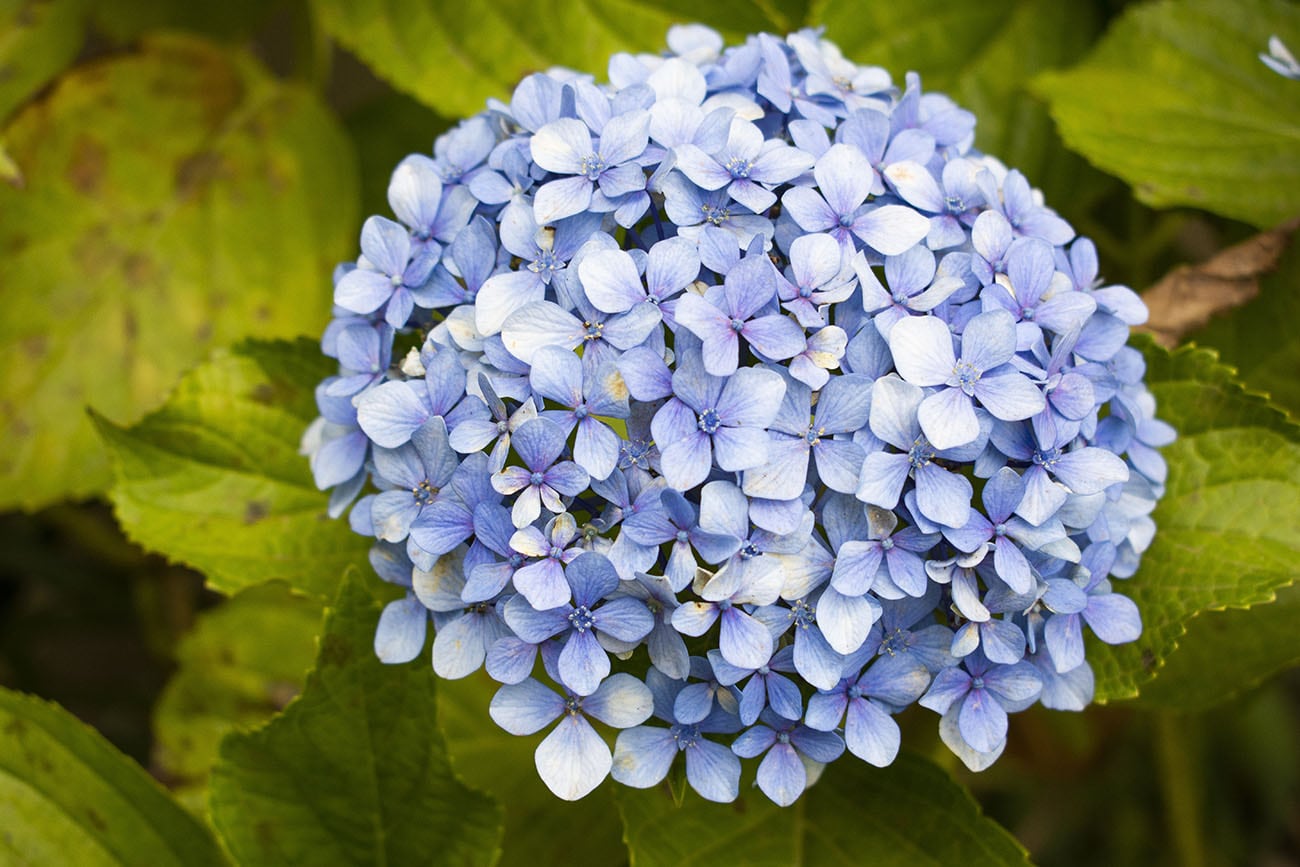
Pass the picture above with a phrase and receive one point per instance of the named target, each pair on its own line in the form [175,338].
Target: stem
[1180,788]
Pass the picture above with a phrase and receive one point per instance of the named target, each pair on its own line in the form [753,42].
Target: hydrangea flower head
[744,393]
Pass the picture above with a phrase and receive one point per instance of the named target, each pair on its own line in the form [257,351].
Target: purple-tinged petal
[871,734]
[943,497]
[713,771]
[982,721]
[781,775]
[391,412]
[891,229]
[744,641]
[1113,618]
[621,701]
[625,618]
[542,584]
[583,662]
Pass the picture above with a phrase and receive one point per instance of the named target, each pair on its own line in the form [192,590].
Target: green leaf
[483,50]
[175,199]
[67,796]
[354,771]
[242,663]
[540,828]
[909,814]
[1226,532]
[1175,101]
[214,480]
[38,38]
[983,55]
[1225,653]
[1259,339]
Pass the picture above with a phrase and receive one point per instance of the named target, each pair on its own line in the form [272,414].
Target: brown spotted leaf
[174,199]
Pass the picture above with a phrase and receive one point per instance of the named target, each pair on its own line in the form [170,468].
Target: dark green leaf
[1175,101]
[124,20]
[68,797]
[242,663]
[175,199]
[214,480]
[38,38]
[540,828]
[385,130]
[908,814]
[1226,527]
[354,771]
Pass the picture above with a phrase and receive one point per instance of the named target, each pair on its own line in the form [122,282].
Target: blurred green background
[299,112]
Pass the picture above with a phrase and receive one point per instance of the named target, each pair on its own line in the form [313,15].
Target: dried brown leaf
[1191,295]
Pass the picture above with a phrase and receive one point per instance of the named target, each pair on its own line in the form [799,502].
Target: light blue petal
[526,707]
[573,760]
[643,756]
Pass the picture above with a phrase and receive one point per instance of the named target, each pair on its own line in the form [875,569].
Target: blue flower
[710,418]
[583,663]
[865,702]
[643,755]
[601,172]
[782,775]
[979,694]
[923,353]
[543,478]
[572,760]
[732,339]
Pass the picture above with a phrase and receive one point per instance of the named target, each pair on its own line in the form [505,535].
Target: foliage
[176,182]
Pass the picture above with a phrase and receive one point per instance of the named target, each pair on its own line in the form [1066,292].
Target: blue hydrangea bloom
[748,370]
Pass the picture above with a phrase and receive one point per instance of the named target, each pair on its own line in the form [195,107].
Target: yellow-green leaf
[1175,101]
[213,479]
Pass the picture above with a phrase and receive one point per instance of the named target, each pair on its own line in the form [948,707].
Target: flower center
[739,167]
[709,421]
[749,551]
[737,325]
[814,435]
[894,643]
[581,618]
[1047,459]
[716,216]
[886,544]
[921,453]
[592,167]
[537,478]
[685,735]
[593,330]
[966,375]
[424,493]
[803,614]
